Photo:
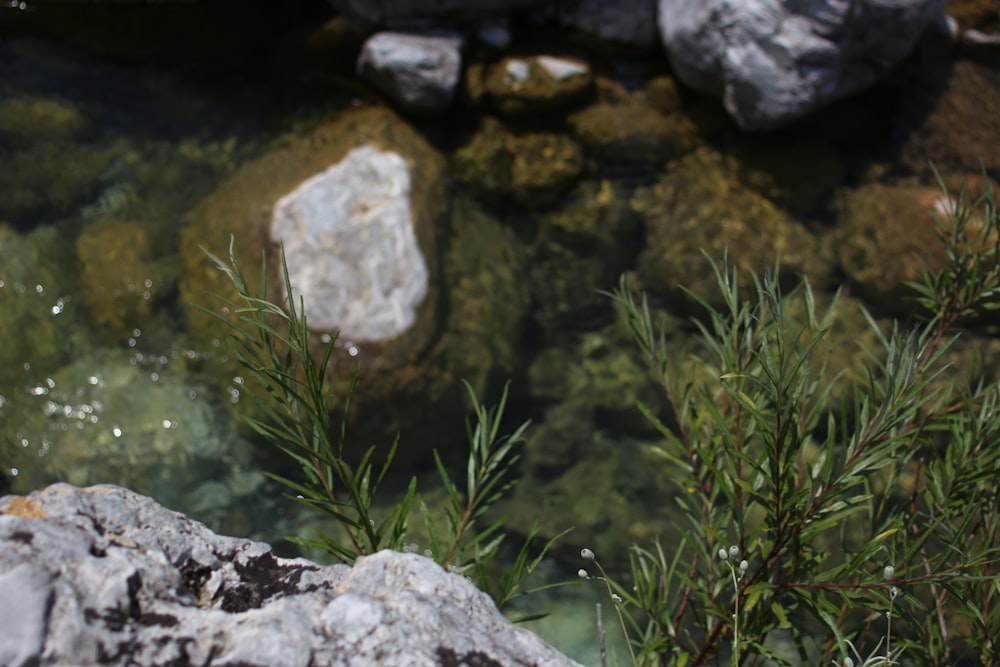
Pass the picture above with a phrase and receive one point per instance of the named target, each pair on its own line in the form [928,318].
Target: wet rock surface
[772,62]
[104,575]
[418,72]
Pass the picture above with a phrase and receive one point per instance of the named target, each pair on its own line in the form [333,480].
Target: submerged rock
[120,281]
[519,85]
[104,575]
[949,115]
[887,236]
[632,133]
[772,62]
[112,415]
[529,168]
[36,277]
[392,294]
[701,206]
[30,117]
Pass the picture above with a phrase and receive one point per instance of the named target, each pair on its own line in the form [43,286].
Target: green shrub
[821,525]
[271,342]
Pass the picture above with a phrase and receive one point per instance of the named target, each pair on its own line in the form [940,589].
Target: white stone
[351,248]
[561,69]
[518,71]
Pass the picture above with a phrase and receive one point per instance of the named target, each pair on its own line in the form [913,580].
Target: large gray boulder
[102,575]
[772,61]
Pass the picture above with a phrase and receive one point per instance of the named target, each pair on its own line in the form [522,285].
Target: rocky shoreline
[102,575]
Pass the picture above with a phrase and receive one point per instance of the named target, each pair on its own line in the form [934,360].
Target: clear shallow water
[99,379]
[99,382]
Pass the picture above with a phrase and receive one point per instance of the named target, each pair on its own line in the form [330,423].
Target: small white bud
[734,552]
[744,566]
[893,592]
[723,554]
[889,573]
[587,554]
[617,599]
[582,574]
[848,662]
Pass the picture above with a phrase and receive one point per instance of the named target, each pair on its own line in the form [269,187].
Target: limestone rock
[104,575]
[351,249]
[772,61]
[418,72]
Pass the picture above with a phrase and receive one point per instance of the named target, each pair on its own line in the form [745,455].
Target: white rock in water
[561,69]
[351,248]
[518,71]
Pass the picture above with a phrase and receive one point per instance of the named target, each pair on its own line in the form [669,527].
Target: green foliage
[293,391]
[901,472]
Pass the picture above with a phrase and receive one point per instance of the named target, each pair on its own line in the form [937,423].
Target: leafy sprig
[272,343]
[815,491]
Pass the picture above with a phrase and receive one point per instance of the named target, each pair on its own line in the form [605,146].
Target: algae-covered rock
[632,133]
[954,113]
[244,207]
[580,249]
[518,85]
[700,206]
[887,235]
[120,280]
[529,168]
[36,276]
[488,296]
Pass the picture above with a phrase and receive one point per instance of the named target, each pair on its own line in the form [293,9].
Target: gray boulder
[418,72]
[772,61]
[102,575]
